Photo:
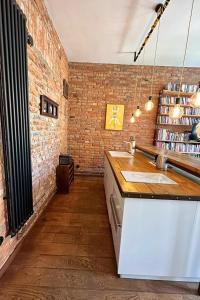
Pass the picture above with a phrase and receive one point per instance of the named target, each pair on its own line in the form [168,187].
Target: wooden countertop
[185,189]
[180,160]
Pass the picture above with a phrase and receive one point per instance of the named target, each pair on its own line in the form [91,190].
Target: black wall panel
[14,113]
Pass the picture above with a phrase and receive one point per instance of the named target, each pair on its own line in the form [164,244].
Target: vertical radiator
[14,112]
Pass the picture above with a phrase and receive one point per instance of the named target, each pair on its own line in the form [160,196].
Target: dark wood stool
[64,177]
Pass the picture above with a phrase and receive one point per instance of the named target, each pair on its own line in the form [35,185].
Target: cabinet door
[160,240]
[116,224]
[108,184]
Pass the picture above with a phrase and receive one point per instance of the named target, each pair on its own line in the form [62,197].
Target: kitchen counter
[155,227]
[185,189]
[180,160]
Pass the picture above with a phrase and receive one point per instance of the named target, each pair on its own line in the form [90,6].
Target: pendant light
[176,112]
[132,119]
[195,99]
[138,112]
[149,105]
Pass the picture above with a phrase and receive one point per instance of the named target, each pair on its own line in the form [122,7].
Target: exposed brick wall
[48,66]
[94,85]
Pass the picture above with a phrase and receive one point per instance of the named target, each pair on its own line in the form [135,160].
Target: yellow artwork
[114,117]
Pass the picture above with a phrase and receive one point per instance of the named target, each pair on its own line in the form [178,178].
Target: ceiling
[106,31]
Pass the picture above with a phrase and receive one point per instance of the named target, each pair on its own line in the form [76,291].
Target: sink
[120,154]
[147,177]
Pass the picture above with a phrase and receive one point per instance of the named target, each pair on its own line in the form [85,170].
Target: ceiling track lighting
[159,9]
[176,111]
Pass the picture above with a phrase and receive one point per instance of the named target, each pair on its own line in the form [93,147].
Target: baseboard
[23,234]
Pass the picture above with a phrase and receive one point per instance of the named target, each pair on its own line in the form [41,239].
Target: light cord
[142,72]
[155,56]
[136,83]
[186,48]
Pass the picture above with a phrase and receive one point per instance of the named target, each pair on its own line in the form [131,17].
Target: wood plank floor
[69,255]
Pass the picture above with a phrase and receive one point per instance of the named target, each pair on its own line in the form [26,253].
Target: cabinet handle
[114,213]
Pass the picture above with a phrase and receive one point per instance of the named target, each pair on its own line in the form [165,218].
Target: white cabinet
[153,239]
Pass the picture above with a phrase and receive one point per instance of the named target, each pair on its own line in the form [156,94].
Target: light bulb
[195,99]
[132,119]
[149,104]
[176,112]
[138,112]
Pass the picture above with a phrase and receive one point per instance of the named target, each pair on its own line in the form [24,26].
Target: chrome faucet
[131,145]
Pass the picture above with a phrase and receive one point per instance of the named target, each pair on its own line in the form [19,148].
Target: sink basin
[147,177]
[120,154]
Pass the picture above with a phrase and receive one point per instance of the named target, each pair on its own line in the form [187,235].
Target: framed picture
[114,116]
[48,107]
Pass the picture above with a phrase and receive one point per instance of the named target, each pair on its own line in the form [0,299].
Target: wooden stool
[64,177]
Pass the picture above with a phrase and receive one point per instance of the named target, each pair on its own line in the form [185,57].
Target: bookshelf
[174,134]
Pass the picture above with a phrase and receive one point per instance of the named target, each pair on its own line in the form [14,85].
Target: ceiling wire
[142,73]
[155,56]
[186,47]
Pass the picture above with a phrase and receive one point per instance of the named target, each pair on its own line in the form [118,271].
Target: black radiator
[14,112]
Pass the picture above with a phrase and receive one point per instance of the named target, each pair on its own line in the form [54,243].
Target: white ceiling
[103,31]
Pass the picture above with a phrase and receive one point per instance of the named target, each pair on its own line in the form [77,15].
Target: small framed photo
[45,106]
[48,107]
[55,109]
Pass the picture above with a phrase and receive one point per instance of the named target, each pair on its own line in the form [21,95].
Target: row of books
[182,121]
[187,110]
[190,148]
[172,100]
[186,88]
[168,135]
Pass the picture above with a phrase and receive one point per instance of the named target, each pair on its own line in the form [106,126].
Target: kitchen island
[155,226]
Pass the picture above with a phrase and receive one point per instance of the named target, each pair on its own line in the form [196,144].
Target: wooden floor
[69,255]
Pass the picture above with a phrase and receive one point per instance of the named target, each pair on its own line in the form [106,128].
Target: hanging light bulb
[149,105]
[176,112]
[195,99]
[138,112]
[132,119]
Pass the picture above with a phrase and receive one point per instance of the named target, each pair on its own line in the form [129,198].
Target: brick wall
[94,85]
[48,66]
